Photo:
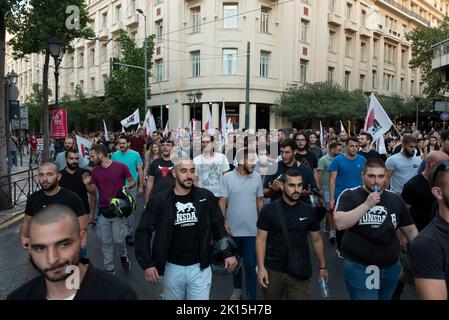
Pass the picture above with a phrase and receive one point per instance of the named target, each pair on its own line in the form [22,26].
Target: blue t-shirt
[131,159]
[348,172]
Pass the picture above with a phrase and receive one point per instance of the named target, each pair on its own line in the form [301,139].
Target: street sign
[444,116]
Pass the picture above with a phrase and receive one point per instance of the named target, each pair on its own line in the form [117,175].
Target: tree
[41,20]
[125,88]
[36,107]
[422,39]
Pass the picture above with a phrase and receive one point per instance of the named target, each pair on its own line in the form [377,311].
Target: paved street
[15,270]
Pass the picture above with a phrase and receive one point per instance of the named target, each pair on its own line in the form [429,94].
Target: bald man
[51,193]
[418,196]
[55,241]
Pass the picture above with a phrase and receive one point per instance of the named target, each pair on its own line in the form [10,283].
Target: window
[82,85]
[159,66]
[404,59]
[348,11]
[92,84]
[132,6]
[72,61]
[230,16]
[304,31]
[229,61]
[104,19]
[402,85]
[348,47]
[104,77]
[81,59]
[264,63]
[347,79]
[388,82]
[330,74]
[389,53]
[374,79]
[92,56]
[118,10]
[362,82]
[72,88]
[363,51]
[159,31]
[303,70]
[375,48]
[265,19]
[306,1]
[363,18]
[331,47]
[195,19]
[196,66]
[332,6]
[104,52]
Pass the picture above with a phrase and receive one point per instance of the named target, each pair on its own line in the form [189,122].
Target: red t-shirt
[138,144]
[32,143]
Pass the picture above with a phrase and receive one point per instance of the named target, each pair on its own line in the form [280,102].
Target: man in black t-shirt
[365,141]
[271,246]
[370,215]
[303,155]
[51,193]
[55,242]
[160,174]
[430,249]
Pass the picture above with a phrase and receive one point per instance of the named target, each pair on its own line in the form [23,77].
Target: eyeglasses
[301,139]
[443,166]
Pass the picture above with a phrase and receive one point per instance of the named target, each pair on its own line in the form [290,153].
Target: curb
[12,221]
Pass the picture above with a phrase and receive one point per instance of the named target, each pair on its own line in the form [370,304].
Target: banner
[377,121]
[149,124]
[209,123]
[59,123]
[132,119]
[84,146]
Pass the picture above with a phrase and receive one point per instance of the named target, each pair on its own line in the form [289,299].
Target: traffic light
[115,64]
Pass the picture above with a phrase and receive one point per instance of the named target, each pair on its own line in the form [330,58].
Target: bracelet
[325,268]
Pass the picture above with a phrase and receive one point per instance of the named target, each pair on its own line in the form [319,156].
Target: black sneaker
[111,272]
[126,264]
[129,240]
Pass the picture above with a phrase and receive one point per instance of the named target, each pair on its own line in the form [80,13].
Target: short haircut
[283,131]
[53,213]
[207,135]
[289,143]
[50,164]
[409,139]
[124,136]
[71,150]
[438,175]
[445,135]
[334,145]
[367,135]
[373,163]
[100,149]
[353,138]
[292,172]
[166,140]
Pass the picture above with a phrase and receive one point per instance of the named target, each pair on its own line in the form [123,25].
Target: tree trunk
[46,122]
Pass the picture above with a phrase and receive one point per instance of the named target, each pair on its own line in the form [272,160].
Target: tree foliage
[124,88]
[35,108]
[422,38]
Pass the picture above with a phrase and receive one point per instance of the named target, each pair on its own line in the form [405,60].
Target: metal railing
[17,187]
[407,11]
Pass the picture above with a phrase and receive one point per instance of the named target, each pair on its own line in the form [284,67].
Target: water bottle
[376,189]
[324,288]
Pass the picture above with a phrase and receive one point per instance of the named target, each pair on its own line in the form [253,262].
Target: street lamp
[145,59]
[194,96]
[56,51]
[417,99]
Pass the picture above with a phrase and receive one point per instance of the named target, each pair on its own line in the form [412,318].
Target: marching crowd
[250,205]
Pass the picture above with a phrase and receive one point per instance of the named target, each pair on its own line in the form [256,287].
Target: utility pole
[145,58]
[247,85]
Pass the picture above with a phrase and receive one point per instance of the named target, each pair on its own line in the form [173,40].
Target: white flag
[224,130]
[132,119]
[377,121]
[230,126]
[209,123]
[84,146]
[342,128]
[106,133]
[381,145]
[321,136]
[123,130]
[165,134]
[149,124]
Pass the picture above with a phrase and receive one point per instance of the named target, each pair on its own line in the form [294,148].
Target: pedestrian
[184,219]
[314,147]
[241,199]
[109,177]
[371,215]
[365,143]
[303,155]
[152,154]
[138,142]
[285,226]
[69,143]
[13,149]
[55,239]
[134,163]
[430,250]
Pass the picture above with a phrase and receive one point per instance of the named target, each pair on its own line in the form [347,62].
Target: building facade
[202,46]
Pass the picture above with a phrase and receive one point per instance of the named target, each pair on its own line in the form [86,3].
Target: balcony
[407,11]
[351,26]
[365,32]
[334,19]
[392,35]
[132,20]
[116,26]
[103,34]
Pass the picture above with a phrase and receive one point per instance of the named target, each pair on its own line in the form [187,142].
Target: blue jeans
[13,158]
[130,221]
[246,248]
[186,282]
[361,282]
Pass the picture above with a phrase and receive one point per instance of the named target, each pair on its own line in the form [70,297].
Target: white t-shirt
[403,169]
[210,171]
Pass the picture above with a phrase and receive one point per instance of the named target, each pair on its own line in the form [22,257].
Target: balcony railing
[407,11]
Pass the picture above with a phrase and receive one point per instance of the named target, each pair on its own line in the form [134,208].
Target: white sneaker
[236,294]
[338,252]
[332,235]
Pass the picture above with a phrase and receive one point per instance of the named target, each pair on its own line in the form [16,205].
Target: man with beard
[109,177]
[365,140]
[371,215]
[241,199]
[60,157]
[133,161]
[51,193]
[184,220]
[55,239]
[430,250]
[402,166]
[304,156]
[302,223]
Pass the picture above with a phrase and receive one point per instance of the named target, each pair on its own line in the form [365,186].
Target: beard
[293,196]
[185,183]
[446,200]
[248,169]
[61,275]
[50,186]
[73,166]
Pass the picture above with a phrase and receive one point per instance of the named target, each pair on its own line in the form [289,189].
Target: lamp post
[145,61]
[56,51]
[417,99]
[194,96]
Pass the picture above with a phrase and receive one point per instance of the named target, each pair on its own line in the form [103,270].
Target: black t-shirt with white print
[184,248]
[373,240]
[161,170]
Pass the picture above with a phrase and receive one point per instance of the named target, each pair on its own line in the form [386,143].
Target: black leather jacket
[159,217]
